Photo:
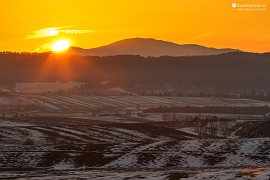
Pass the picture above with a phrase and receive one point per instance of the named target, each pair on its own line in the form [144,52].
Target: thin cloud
[75,31]
[43,48]
[41,33]
[55,31]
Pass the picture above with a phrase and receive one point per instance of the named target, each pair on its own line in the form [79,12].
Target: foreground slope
[46,147]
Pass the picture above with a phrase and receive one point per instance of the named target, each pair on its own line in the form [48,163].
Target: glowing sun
[60,45]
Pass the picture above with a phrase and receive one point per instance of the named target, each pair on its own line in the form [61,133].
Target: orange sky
[33,25]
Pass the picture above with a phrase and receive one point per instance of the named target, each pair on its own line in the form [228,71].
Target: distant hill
[150,47]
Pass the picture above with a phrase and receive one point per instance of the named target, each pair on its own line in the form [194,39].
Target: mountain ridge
[150,47]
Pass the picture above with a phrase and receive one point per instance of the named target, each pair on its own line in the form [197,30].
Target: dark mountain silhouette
[150,47]
[236,70]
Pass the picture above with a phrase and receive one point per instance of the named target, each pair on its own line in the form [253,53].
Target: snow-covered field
[73,103]
[185,174]
[38,87]
[120,149]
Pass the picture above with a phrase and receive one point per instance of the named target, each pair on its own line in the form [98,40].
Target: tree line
[239,71]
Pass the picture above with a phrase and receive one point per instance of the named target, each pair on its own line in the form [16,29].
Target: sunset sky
[33,25]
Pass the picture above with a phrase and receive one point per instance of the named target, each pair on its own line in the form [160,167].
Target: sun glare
[60,45]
